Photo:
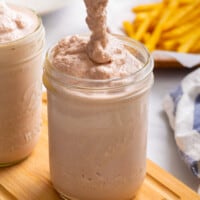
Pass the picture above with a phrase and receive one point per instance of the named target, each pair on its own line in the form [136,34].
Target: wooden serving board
[166,62]
[30,179]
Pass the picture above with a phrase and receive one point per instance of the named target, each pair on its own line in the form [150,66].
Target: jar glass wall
[21,90]
[98,131]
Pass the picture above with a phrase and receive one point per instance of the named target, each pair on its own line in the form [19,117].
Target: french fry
[172,25]
[141,16]
[144,26]
[191,18]
[146,37]
[195,49]
[188,44]
[128,27]
[168,45]
[184,29]
[142,29]
[181,15]
[151,44]
[185,2]
[145,8]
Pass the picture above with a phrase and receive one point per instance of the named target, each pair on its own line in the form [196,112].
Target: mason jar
[98,130]
[21,90]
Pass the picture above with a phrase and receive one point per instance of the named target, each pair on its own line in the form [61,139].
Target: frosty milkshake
[97,109]
[21,45]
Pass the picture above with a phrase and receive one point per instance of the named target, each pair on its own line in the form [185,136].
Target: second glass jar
[21,92]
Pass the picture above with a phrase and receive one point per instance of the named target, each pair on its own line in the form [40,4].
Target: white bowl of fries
[172,26]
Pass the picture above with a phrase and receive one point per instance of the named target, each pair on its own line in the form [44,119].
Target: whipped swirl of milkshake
[100,57]
[98,46]
[15,22]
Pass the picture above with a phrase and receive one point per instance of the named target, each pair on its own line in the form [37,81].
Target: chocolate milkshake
[98,90]
[21,45]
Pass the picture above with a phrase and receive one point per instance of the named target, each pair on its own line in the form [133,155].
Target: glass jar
[98,131]
[21,91]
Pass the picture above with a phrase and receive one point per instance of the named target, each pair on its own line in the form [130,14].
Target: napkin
[182,106]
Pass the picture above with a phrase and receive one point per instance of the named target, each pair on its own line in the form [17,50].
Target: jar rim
[141,73]
[14,42]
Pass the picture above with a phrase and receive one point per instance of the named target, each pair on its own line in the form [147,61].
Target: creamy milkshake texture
[15,22]
[99,47]
[101,57]
[98,90]
[21,47]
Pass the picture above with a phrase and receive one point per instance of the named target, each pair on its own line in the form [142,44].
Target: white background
[161,145]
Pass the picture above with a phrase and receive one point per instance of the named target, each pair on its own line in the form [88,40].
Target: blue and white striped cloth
[183,110]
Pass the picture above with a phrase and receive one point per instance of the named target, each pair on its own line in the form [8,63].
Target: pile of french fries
[172,25]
